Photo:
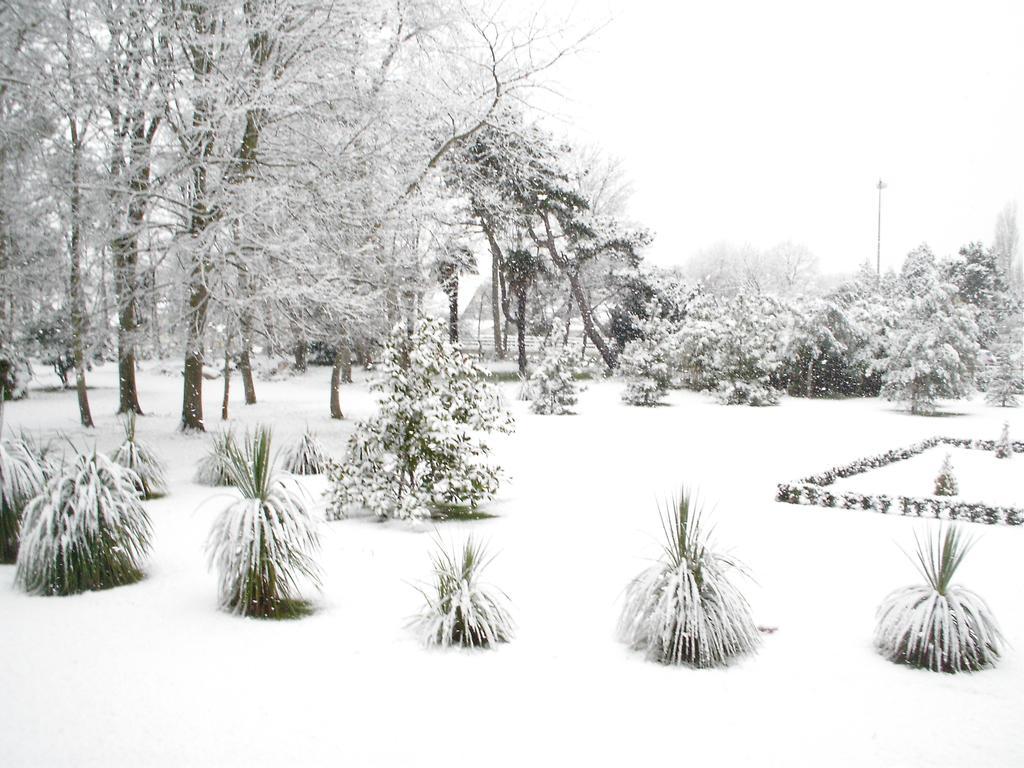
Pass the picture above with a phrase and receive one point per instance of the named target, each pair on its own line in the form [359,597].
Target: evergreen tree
[422,453]
[945,482]
[553,385]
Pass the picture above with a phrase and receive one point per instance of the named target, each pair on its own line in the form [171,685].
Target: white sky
[757,122]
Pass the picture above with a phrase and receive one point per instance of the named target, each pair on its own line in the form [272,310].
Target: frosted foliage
[937,625]
[747,352]
[1006,384]
[21,478]
[1004,447]
[932,350]
[307,456]
[945,483]
[213,467]
[646,364]
[143,461]
[424,449]
[553,386]
[263,545]
[86,530]
[461,610]
[685,608]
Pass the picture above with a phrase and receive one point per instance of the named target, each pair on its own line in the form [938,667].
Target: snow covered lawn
[153,674]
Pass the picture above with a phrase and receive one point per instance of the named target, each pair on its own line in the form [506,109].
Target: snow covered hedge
[423,452]
[813,489]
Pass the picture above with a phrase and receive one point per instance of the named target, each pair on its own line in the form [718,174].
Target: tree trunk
[521,331]
[301,351]
[453,309]
[339,363]
[499,344]
[78,318]
[809,391]
[345,350]
[579,295]
[227,382]
[126,254]
[245,362]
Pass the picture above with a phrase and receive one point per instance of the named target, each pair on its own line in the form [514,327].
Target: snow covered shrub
[422,453]
[213,467]
[746,393]
[553,385]
[263,544]
[685,609]
[1004,448]
[307,457]
[85,530]
[140,458]
[21,478]
[945,483]
[646,364]
[935,625]
[460,609]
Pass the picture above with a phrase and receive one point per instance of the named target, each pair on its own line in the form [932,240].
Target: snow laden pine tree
[747,352]
[933,348]
[945,483]
[1006,383]
[1004,446]
[647,363]
[422,453]
[553,385]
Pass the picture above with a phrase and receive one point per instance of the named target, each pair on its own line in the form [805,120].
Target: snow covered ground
[153,674]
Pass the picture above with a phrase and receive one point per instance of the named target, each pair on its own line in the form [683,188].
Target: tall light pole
[878,256]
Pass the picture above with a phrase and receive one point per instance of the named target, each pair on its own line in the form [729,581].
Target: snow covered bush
[460,609]
[213,467]
[263,544]
[646,364]
[1004,448]
[935,625]
[945,483]
[685,609]
[21,478]
[747,350]
[746,393]
[423,452]
[553,385]
[307,456]
[141,459]
[85,530]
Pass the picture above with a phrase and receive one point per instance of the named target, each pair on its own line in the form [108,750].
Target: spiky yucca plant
[263,545]
[21,478]
[936,625]
[307,457]
[86,530]
[213,467]
[140,458]
[685,609]
[460,609]
[945,483]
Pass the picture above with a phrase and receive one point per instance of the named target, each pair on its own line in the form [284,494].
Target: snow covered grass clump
[685,609]
[263,544]
[213,467]
[141,459]
[307,456]
[945,483]
[553,385]
[460,609]
[423,451]
[21,478]
[86,530]
[935,625]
